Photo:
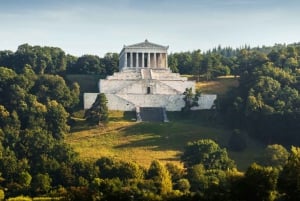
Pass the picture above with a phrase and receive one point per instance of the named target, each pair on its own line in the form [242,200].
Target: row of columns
[144,60]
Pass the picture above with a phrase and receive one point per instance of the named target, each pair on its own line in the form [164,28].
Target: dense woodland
[36,103]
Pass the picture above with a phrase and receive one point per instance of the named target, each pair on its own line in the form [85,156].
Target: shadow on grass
[173,135]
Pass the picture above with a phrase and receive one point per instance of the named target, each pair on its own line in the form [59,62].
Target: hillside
[125,139]
[218,86]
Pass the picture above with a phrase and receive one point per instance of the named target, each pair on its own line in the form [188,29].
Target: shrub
[20,198]
[237,141]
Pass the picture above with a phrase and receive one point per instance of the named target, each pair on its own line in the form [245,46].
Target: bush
[20,198]
[2,195]
[237,141]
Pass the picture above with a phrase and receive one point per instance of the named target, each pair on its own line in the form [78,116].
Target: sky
[100,26]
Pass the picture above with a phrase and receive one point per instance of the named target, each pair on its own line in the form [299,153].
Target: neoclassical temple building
[144,55]
[144,81]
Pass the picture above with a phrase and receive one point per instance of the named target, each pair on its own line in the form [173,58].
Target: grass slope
[218,86]
[127,140]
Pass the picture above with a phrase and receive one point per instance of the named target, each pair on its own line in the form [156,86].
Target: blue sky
[100,26]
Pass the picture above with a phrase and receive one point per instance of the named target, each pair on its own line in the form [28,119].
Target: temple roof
[146,44]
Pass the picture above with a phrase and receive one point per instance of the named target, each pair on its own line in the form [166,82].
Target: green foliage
[175,171]
[57,118]
[42,183]
[275,155]
[20,198]
[110,62]
[88,64]
[2,194]
[190,99]
[110,168]
[266,102]
[208,153]
[161,177]
[98,113]
[237,142]
[183,185]
[54,87]
[41,59]
[289,177]
[25,179]
[260,183]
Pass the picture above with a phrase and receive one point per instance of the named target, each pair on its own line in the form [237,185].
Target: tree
[208,153]
[54,87]
[289,177]
[196,63]
[190,99]
[237,141]
[183,185]
[2,194]
[161,177]
[260,183]
[98,113]
[275,155]
[89,64]
[173,63]
[110,62]
[25,179]
[42,183]
[56,118]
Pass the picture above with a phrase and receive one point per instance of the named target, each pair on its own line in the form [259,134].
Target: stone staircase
[146,74]
[151,114]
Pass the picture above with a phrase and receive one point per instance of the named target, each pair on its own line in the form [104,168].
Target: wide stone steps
[152,114]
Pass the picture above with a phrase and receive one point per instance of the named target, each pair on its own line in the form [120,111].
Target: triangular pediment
[147,44]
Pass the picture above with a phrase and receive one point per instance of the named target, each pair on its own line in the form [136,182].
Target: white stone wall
[206,101]
[89,99]
[128,102]
[113,86]
[140,86]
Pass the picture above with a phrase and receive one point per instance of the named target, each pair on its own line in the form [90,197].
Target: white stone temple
[145,80]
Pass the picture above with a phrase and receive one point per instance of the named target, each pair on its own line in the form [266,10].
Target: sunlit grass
[145,142]
[218,86]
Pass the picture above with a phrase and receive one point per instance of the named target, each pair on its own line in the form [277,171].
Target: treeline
[228,61]
[53,60]
[266,103]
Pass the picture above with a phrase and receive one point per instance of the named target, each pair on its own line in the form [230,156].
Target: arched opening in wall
[148,90]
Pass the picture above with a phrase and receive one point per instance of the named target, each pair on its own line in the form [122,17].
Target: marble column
[131,59]
[160,60]
[137,60]
[155,64]
[143,60]
[166,60]
[148,60]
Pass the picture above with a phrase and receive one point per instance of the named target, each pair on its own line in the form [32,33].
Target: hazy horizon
[97,27]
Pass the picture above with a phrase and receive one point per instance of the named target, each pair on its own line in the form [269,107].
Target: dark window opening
[148,90]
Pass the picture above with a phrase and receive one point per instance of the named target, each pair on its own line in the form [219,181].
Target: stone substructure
[145,80]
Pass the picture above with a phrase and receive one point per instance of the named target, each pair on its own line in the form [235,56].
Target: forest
[37,102]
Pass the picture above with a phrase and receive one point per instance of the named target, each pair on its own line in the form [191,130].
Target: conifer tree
[98,113]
